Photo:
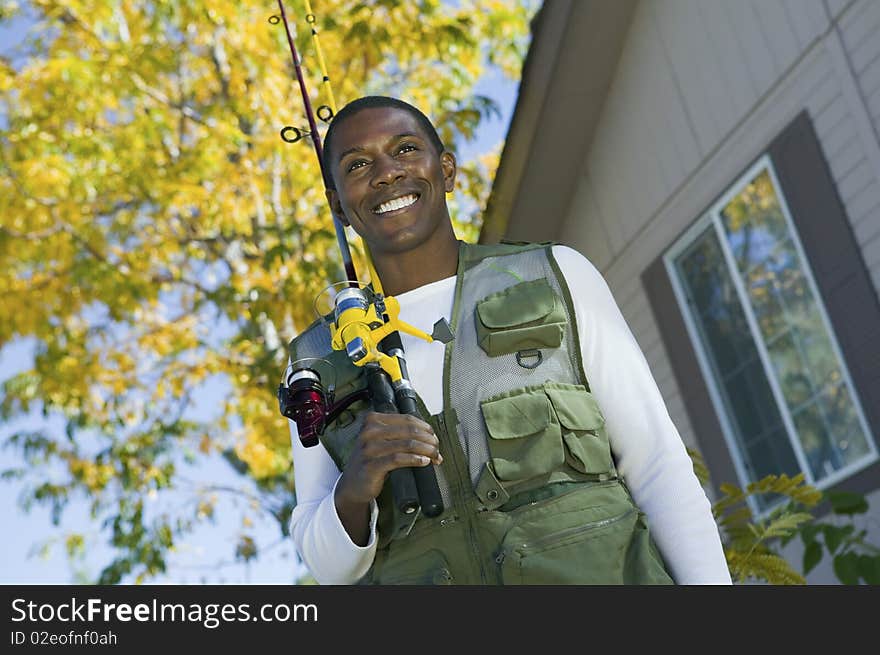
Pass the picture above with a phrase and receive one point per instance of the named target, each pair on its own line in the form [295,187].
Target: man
[551,443]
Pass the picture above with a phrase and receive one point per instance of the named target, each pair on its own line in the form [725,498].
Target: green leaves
[246,549]
[700,468]
[846,502]
[812,556]
[750,544]
[752,547]
[869,569]
[835,536]
[854,560]
[846,568]
[781,526]
[766,566]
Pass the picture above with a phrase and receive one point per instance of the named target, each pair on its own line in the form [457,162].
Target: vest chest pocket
[534,430]
[525,316]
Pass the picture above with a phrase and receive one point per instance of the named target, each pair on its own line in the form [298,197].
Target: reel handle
[425,476]
[403,483]
[405,399]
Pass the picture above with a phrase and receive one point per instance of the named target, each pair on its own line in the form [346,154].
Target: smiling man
[553,449]
[390,176]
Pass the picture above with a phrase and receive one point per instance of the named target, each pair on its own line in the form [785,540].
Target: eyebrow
[396,137]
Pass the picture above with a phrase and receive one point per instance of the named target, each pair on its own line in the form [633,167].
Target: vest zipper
[562,534]
[441,420]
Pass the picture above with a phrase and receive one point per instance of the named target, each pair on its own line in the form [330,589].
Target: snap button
[492,494]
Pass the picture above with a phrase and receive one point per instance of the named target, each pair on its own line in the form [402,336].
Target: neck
[402,272]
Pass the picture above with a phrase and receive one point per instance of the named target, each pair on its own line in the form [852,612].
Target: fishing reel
[358,322]
[303,399]
[362,319]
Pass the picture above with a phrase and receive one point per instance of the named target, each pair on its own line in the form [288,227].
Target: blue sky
[24,533]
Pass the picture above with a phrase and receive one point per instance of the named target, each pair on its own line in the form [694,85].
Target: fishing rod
[366,324]
[316,140]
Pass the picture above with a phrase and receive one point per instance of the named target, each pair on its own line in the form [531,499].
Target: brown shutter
[834,256]
[686,367]
[844,284]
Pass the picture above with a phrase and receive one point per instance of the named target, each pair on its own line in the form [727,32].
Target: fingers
[402,450]
[397,423]
[395,460]
[383,435]
[386,442]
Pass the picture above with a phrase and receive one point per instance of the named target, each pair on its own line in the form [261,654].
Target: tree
[157,234]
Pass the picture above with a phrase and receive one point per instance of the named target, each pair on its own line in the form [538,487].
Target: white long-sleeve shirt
[648,450]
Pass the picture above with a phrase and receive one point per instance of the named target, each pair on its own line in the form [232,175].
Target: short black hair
[372,102]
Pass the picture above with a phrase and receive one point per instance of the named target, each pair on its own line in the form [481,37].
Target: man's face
[391,183]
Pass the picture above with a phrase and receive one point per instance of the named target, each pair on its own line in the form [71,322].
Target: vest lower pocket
[525,439]
[608,551]
[533,430]
[586,441]
[525,316]
[427,568]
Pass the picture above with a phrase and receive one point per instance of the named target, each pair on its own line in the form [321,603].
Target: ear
[336,206]
[447,163]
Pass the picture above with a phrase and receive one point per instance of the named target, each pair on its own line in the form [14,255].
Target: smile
[396,203]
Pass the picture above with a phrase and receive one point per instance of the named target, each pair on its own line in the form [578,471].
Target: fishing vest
[530,491]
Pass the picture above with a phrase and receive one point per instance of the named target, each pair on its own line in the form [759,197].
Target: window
[774,369]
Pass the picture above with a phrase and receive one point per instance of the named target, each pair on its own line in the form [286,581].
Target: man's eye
[355,164]
[406,147]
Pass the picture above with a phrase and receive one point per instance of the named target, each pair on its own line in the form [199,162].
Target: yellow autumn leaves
[156,234]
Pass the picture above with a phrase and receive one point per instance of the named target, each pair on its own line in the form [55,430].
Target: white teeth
[396,203]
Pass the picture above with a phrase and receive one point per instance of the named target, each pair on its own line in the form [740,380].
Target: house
[719,163]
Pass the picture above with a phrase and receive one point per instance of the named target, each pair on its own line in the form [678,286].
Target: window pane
[832,431]
[769,458]
[733,356]
[796,385]
[846,431]
[812,432]
[754,223]
[766,301]
[790,323]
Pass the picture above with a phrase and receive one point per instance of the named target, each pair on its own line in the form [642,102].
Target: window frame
[711,219]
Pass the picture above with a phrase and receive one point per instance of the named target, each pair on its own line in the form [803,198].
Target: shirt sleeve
[318,534]
[647,447]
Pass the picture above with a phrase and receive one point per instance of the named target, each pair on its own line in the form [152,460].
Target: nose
[386,171]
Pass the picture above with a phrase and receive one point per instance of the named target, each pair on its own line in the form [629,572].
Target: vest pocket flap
[576,408]
[524,438]
[583,429]
[517,416]
[526,316]
[522,303]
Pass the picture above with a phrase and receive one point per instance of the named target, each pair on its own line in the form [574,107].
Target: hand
[385,442]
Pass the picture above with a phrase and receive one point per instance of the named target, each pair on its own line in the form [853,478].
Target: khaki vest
[530,490]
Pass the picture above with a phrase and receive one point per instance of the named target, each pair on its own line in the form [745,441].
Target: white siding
[590,237]
[702,87]
[696,98]
[859,30]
